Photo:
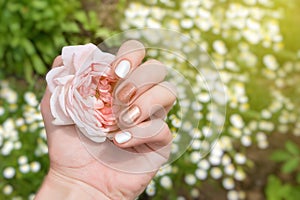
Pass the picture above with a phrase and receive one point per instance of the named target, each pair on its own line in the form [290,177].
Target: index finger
[129,56]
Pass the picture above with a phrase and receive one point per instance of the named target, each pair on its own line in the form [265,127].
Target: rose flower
[82,91]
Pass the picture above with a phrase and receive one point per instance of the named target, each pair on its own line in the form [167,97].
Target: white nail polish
[122,137]
[123,68]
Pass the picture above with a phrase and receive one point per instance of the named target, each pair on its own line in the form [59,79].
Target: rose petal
[59,117]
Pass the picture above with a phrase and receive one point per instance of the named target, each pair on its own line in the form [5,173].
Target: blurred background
[255,46]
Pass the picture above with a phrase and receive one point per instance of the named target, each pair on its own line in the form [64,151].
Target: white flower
[201,174]
[263,144]
[225,143]
[239,175]
[24,168]
[176,122]
[283,128]
[2,111]
[253,25]
[151,23]
[252,36]
[229,169]
[35,166]
[220,47]
[270,62]
[9,95]
[195,156]
[166,182]
[207,132]
[196,144]
[9,125]
[195,193]
[240,158]
[203,97]
[30,98]
[226,160]
[236,132]
[187,126]
[7,148]
[20,122]
[260,136]
[17,145]
[216,172]
[195,133]
[296,132]
[232,195]
[174,148]
[22,160]
[9,172]
[196,106]
[150,190]
[214,159]
[157,13]
[31,197]
[7,189]
[204,164]
[266,126]
[43,134]
[228,183]
[190,179]
[237,121]
[246,140]
[187,23]
[266,114]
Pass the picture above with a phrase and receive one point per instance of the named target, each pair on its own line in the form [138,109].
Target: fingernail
[131,115]
[122,137]
[127,92]
[122,68]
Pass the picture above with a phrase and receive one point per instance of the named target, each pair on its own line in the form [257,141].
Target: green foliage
[290,156]
[33,32]
[276,189]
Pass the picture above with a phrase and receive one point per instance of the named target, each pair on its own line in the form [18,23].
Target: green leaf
[38,64]
[298,178]
[280,156]
[28,46]
[70,27]
[290,165]
[39,4]
[81,17]
[28,71]
[292,148]
[273,187]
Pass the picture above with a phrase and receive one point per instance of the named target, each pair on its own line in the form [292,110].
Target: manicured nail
[131,115]
[123,68]
[127,92]
[122,137]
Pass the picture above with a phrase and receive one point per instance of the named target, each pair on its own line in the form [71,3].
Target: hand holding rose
[131,112]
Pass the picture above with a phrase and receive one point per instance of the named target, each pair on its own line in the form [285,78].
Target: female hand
[142,100]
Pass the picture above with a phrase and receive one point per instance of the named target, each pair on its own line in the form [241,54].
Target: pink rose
[82,91]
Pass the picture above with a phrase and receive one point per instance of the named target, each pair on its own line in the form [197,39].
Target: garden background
[255,46]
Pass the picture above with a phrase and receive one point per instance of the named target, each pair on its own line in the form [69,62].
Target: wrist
[58,186]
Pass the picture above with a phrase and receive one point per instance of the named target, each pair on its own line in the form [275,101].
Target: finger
[157,98]
[155,133]
[141,79]
[129,56]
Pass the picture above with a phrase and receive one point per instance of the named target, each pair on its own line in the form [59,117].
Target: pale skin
[75,174]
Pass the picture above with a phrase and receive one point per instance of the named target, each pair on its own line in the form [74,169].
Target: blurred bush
[33,32]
